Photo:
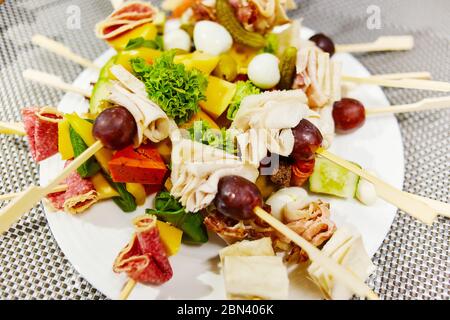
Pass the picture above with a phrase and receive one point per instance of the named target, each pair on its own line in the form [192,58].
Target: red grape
[115,127]
[324,43]
[237,197]
[307,140]
[348,114]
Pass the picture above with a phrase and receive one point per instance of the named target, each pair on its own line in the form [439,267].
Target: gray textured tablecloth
[412,263]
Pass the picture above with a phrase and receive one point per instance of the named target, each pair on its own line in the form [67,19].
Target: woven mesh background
[413,262]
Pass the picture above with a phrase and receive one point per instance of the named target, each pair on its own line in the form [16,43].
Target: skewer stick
[424,75]
[54,82]
[127,289]
[33,194]
[385,43]
[10,196]
[116,4]
[61,50]
[12,128]
[401,83]
[338,271]
[422,105]
[442,208]
[416,208]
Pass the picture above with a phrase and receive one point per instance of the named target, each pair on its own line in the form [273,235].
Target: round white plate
[92,240]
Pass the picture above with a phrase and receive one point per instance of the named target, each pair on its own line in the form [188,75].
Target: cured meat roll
[41,126]
[144,259]
[126,18]
[79,196]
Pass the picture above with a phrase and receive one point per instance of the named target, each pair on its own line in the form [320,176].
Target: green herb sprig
[176,90]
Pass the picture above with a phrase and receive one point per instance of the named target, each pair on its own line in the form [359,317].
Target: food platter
[91,240]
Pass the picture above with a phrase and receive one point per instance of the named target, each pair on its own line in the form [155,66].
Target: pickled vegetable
[288,68]
[227,18]
[99,97]
[226,68]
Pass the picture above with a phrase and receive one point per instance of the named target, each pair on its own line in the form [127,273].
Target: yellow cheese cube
[204,62]
[170,237]
[147,31]
[219,94]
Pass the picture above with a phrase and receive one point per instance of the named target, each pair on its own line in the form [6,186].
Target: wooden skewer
[10,196]
[440,207]
[116,4]
[53,81]
[12,128]
[416,208]
[62,50]
[401,83]
[385,43]
[424,75]
[339,272]
[33,194]
[127,289]
[422,105]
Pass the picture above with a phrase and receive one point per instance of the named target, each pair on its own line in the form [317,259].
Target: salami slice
[41,131]
[78,197]
[129,16]
[144,258]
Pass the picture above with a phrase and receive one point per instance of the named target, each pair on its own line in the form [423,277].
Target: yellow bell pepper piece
[64,143]
[170,237]
[201,115]
[203,62]
[84,129]
[148,54]
[219,94]
[103,188]
[164,148]
[148,31]
[138,192]
[168,184]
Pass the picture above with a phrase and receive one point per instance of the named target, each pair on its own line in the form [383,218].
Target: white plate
[92,240]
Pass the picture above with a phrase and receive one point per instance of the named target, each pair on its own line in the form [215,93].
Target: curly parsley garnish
[176,90]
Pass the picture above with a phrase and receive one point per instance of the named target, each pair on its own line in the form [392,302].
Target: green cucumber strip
[104,72]
[330,178]
[125,201]
[90,167]
[100,93]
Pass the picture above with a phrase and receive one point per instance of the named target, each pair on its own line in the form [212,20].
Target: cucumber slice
[330,178]
[99,96]
[104,72]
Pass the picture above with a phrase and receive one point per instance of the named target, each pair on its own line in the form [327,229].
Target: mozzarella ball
[263,70]
[366,192]
[280,200]
[177,39]
[171,25]
[212,38]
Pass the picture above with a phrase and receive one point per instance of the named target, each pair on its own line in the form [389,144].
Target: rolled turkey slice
[265,122]
[129,92]
[197,169]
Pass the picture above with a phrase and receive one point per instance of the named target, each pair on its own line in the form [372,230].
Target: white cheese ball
[212,38]
[365,192]
[177,39]
[263,70]
[171,25]
[282,198]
